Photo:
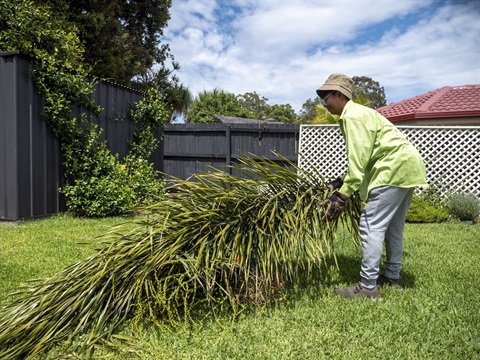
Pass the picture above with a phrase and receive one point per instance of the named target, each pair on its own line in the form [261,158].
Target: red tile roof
[446,102]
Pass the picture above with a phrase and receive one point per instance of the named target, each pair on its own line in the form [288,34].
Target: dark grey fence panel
[193,148]
[23,175]
[116,102]
[190,149]
[31,169]
[10,67]
[264,140]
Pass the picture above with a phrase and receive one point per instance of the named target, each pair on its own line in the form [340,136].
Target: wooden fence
[31,170]
[188,149]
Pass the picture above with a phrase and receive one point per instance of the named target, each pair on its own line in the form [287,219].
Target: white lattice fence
[451,154]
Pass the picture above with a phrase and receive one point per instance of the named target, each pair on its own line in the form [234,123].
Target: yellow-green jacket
[378,153]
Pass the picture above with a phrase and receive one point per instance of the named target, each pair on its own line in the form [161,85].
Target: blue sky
[285,49]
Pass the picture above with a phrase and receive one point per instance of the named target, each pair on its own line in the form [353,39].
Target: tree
[283,113]
[122,43]
[256,104]
[369,89]
[33,30]
[249,105]
[121,37]
[323,116]
[216,102]
[167,83]
[308,111]
[261,110]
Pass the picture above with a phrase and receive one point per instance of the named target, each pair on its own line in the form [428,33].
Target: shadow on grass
[319,282]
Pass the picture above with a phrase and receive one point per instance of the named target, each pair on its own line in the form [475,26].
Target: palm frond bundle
[221,237]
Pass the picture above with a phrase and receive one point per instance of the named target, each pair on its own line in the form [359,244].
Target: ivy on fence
[97,183]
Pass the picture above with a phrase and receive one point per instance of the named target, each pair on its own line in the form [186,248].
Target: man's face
[332,102]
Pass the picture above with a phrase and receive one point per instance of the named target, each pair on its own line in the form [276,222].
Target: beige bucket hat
[339,82]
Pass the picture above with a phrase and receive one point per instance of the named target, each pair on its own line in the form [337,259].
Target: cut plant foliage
[220,239]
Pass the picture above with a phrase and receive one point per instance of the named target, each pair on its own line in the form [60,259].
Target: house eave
[430,115]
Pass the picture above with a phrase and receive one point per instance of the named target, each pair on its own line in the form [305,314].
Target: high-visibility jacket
[378,153]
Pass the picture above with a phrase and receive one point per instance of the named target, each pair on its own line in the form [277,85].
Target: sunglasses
[322,101]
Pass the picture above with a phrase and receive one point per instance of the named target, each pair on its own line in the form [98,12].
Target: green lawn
[437,316]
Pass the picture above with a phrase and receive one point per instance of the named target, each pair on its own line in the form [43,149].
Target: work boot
[356,290]
[383,280]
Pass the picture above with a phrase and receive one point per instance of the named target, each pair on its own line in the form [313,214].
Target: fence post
[228,148]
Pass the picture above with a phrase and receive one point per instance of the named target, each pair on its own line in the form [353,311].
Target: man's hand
[335,184]
[336,206]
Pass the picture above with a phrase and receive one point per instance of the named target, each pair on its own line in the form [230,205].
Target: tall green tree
[216,102]
[308,111]
[121,41]
[32,29]
[121,37]
[163,79]
[261,110]
[369,89]
[283,113]
[249,105]
[255,103]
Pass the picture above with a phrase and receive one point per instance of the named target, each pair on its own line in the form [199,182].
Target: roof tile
[448,101]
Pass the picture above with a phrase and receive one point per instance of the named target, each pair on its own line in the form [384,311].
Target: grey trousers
[383,218]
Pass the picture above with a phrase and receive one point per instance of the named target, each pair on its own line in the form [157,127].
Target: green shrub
[96,197]
[435,196]
[424,211]
[110,187]
[466,207]
[144,181]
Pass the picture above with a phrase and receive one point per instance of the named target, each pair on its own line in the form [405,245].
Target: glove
[335,184]
[336,204]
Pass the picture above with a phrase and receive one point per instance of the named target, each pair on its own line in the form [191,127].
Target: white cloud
[284,50]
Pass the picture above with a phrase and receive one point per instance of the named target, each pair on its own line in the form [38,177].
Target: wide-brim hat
[337,82]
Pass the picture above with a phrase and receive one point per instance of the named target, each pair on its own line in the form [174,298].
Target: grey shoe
[356,290]
[383,280]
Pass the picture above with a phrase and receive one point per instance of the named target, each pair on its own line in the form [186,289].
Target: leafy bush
[99,184]
[97,197]
[466,207]
[433,195]
[424,211]
[428,207]
[147,187]
[116,192]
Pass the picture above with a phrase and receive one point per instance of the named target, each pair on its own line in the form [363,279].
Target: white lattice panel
[451,154]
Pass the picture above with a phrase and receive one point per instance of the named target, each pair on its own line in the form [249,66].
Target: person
[385,168]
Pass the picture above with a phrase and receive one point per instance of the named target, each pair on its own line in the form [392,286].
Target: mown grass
[40,248]
[437,316]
